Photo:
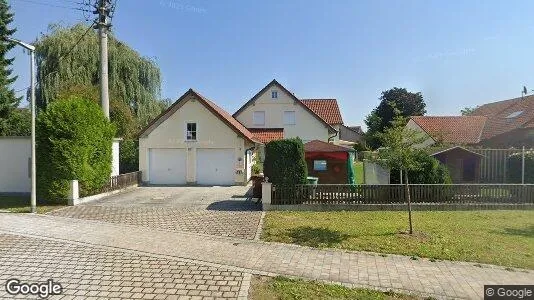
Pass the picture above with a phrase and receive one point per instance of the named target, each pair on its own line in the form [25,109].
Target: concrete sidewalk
[442,279]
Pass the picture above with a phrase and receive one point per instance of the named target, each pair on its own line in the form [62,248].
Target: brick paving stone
[225,255]
[74,266]
[240,224]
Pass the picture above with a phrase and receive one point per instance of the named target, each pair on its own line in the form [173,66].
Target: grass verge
[21,204]
[495,237]
[266,288]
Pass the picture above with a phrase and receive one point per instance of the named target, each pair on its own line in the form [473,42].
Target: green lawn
[495,237]
[358,172]
[265,288]
[22,204]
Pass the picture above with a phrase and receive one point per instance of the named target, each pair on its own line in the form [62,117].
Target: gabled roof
[357,129]
[327,109]
[276,83]
[266,135]
[462,130]
[320,146]
[505,116]
[212,107]
[437,151]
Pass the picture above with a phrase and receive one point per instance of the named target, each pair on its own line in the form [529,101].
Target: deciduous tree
[406,103]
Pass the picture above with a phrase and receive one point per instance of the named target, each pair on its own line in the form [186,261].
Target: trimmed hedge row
[73,142]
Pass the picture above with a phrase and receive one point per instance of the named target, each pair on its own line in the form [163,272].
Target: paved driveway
[222,211]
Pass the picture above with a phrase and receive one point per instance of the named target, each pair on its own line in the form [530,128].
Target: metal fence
[121,181]
[494,164]
[464,194]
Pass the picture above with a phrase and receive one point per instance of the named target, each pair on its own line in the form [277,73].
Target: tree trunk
[408,197]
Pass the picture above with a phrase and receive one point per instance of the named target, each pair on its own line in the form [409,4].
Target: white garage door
[215,166]
[167,166]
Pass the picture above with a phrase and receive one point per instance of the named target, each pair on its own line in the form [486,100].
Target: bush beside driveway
[496,237]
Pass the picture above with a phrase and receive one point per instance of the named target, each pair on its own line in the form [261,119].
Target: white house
[195,142]
[274,113]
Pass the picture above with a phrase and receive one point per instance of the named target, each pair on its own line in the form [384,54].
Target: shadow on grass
[526,232]
[316,237]
[21,204]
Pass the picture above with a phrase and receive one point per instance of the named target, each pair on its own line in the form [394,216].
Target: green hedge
[431,171]
[284,162]
[74,141]
[514,167]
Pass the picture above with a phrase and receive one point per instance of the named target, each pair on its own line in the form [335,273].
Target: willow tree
[69,56]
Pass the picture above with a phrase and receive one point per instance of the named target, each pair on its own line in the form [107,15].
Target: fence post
[523,166]
[266,193]
[73,192]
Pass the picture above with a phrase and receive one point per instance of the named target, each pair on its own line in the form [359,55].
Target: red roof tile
[462,130]
[226,116]
[320,146]
[327,109]
[508,115]
[266,135]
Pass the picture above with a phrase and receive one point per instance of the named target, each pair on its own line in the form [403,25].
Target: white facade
[429,141]
[15,155]
[215,157]
[283,112]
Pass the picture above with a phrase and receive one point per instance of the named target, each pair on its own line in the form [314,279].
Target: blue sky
[457,53]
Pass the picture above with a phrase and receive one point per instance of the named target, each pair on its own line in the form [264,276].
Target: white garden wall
[15,153]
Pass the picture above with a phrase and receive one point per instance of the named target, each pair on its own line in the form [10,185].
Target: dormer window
[274,94]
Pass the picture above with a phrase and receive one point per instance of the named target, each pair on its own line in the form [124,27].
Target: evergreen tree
[8,101]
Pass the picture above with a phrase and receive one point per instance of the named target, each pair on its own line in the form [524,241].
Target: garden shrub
[431,171]
[284,162]
[74,141]
[514,167]
[129,156]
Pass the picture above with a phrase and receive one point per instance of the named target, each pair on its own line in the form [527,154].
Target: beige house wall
[307,126]
[212,133]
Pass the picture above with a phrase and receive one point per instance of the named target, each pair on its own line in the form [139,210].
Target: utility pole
[103,10]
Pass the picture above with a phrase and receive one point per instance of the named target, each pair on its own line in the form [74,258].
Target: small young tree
[400,153]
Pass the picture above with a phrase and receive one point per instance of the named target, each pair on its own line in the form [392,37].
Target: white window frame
[254,118]
[186,131]
[274,94]
[286,119]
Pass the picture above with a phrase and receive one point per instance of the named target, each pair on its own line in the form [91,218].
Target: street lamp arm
[21,43]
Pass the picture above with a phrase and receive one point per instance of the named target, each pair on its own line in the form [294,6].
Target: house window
[289,118]
[258,118]
[274,94]
[319,165]
[191,132]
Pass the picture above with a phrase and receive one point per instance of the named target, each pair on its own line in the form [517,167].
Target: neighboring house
[450,130]
[328,162]
[196,142]
[352,134]
[503,124]
[275,113]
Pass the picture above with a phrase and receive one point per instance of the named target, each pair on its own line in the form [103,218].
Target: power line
[78,41]
[56,5]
